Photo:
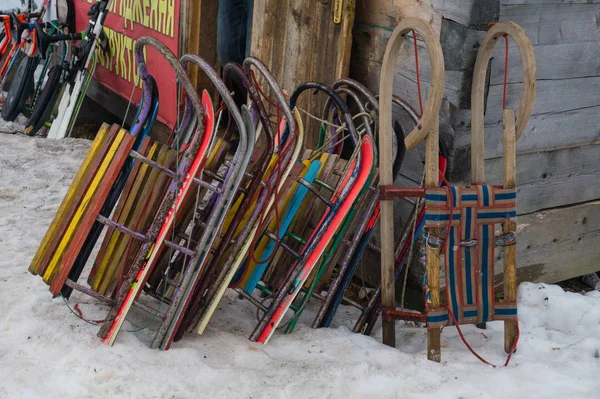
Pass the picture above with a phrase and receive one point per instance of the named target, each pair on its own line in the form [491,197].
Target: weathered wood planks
[554,22]
[298,41]
[551,179]
[557,244]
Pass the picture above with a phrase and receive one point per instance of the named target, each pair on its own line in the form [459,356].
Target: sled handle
[353,88]
[274,86]
[337,101]
[234,67]
[147,88]
[225,95]
[528,61]
[436,91]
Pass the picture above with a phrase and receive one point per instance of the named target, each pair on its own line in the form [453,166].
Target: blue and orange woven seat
[469,216]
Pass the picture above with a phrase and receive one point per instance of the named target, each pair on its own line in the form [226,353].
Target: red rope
[505,66]
[271,190]
[418,73]
[450,204]
[512,349]
[505,73]
[80,313]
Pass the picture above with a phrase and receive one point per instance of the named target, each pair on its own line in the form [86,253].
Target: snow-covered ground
[47,352]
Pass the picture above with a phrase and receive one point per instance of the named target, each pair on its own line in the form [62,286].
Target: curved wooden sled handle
[436,91]
[426,127]
[478,90]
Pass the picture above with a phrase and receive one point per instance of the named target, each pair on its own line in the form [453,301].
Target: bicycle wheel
[20,89]
[45,102]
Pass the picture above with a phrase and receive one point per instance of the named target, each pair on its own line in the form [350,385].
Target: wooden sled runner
[459,221]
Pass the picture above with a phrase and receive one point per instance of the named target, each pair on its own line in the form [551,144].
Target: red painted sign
[127,21]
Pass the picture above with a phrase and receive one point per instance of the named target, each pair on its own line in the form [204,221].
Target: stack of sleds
[220,205]
[231,201]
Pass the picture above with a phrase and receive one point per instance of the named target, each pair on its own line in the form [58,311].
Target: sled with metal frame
[271,177]
[338,206]
[357,245]
[362,98]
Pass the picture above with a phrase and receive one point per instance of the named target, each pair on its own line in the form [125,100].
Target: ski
[67,108]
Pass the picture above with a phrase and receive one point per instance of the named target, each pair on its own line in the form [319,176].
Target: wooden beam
[510,226]
[298,41]
[201,38]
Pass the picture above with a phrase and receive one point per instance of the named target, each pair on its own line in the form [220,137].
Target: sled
[459,221]
[338,206]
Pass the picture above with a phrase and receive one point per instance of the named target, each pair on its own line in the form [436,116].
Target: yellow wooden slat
[66,203]
[76,221]
[105,272]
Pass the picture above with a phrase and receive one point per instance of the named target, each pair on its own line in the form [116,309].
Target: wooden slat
[156,196]
[46,268]
[551,179]
[552,96]
[556,245]
[555,61]
[91,209]
[304,32]
[69,202]
[116,247]
[140,214]
[554,23]
[118,216]
[544,132]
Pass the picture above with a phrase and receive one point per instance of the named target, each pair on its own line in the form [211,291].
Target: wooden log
[69,201]
[510,252]
[91,208]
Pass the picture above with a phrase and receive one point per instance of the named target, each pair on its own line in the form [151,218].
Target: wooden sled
[459,220]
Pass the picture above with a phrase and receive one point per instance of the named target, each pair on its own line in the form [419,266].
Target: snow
[15,4]
[47,352]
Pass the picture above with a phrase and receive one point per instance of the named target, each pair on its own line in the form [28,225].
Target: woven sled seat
[471,214]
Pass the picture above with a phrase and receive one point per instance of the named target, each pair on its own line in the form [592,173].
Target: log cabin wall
[559,153]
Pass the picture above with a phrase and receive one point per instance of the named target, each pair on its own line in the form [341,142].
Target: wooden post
[426,128]
[298,41]
[509,141]
[198,33]
[432,151]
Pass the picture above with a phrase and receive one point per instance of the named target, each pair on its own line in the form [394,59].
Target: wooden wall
[299,42]
[559,153]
